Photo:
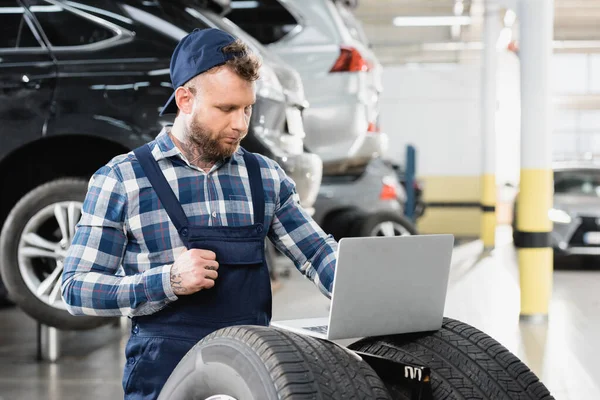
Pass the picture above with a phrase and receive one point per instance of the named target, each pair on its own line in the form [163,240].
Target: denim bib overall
[241,295]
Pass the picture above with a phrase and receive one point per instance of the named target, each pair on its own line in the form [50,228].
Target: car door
[27,79]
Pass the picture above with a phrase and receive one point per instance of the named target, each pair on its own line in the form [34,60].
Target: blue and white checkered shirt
[122,224]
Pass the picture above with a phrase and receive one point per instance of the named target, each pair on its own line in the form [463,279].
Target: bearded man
[172,234]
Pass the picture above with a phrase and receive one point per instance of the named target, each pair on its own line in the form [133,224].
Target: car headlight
[559,216]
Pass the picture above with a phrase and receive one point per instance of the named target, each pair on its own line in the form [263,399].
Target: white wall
[435,108]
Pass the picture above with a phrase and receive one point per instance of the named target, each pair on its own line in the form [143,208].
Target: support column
[491,32]
[532,240]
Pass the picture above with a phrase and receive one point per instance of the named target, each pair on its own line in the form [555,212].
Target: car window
[353,25]
[267,20]
[16,34]
[577,182]
[65,28]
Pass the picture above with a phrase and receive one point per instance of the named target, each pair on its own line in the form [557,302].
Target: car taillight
[350,60]
[388,192]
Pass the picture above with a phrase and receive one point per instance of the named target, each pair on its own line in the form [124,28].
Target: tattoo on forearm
[176,280]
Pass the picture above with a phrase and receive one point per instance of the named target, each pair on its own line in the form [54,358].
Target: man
[186,217]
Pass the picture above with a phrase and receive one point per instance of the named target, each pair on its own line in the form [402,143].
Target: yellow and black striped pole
[491,32]
[534,227]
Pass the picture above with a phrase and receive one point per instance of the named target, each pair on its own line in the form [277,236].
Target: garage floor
[484,291]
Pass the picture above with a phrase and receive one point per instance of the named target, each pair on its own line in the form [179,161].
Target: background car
[576,209]
[325,43]
[342,79]
[80,83]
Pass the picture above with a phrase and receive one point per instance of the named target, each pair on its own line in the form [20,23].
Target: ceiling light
[432,21]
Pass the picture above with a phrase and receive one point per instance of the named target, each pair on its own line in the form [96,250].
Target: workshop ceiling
[577,28]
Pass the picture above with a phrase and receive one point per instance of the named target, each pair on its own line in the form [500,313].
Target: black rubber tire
[465,363]
[4,297]
[341,224]
[260,363]
[365,225]
[52,192]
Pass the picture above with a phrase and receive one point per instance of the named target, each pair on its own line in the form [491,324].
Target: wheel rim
[389,228]
[43,247]
[220,397]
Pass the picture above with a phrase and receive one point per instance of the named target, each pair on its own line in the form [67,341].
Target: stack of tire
[252,363]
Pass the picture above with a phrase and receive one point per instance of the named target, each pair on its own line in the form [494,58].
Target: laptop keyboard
[320,329]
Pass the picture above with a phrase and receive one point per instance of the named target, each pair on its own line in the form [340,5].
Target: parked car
[325,43]
[370,203]
[81,82]
[575,213]
[342,79]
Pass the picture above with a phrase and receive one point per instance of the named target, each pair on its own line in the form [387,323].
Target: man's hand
[193,271]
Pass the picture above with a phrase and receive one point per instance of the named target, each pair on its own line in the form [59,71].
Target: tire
[341,224]
[371,225]
[465,364]
[23,274]
[260,363]
[4,298]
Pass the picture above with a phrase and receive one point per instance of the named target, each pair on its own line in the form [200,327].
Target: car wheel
[465,363]
[33,245]
[253,362]
[385,224]
[4,298]
[341,224]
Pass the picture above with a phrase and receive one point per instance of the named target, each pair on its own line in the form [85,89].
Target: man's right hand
[193,271]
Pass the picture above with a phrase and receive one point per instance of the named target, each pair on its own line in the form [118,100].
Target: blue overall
[241,294]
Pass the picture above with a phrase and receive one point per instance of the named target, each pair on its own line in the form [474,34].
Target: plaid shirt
[120,258]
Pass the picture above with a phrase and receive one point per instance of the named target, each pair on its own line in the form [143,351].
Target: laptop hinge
[414,377]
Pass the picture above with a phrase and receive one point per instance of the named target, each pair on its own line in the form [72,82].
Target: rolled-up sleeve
[90,282]
[297,235]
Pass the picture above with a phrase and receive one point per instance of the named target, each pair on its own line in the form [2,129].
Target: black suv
[82,81]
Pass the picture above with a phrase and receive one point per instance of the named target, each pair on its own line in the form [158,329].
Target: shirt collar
[165,148]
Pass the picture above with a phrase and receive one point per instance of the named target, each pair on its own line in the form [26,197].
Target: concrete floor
[483,291]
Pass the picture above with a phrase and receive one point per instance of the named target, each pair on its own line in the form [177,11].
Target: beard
[209,144]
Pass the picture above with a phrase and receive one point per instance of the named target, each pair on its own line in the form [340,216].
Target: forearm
[299,237]
[99,294]
[91,286]
[320,268]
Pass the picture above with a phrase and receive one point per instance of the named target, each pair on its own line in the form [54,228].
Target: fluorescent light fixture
[432,21]
[244,4]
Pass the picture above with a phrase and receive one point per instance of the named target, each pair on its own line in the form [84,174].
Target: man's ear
[184,99]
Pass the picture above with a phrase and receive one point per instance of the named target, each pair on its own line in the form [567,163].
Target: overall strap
[256,186]
[162,188]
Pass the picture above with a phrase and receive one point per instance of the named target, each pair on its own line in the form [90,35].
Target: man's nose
[240,121]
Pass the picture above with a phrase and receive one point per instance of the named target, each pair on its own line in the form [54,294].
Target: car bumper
[306,170]
[580,237]
[340,192]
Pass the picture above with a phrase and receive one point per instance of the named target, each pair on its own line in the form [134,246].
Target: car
[575,213]
[342,76]
[370,203]
[323,41]
[81,82]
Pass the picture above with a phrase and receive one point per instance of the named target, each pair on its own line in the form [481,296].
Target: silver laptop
[384,285]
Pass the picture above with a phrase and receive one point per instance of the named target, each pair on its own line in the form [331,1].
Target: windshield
[582,182]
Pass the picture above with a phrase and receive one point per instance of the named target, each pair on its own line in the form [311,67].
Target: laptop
[384,285]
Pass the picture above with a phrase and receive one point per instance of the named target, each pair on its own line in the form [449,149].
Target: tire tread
[465,363]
